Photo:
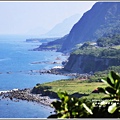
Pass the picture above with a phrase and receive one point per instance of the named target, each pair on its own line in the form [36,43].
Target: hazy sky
[20,17]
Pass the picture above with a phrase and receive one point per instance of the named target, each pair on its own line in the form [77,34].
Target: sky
[20,17]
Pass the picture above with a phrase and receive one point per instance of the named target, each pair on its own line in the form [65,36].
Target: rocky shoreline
[58,70]
[26,94]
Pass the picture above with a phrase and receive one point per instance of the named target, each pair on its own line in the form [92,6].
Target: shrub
[72,107]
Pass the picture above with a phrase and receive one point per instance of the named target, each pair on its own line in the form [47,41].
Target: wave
[5,59]
[5,91]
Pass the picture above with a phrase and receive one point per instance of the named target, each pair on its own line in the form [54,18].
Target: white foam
[5,91]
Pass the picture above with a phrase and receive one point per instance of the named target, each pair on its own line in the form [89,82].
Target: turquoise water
[16,59]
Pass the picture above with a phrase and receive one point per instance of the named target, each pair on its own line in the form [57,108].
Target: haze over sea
[15,62]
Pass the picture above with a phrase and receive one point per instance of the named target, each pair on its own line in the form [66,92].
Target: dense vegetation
[110,29]
[101,52]
[109,40]
[107,48]
[107,107]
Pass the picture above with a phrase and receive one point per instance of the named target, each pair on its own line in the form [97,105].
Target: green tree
[109,107]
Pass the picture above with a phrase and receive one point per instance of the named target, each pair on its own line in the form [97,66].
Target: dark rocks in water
[8,72]
[56,71]
[47,62]
[57,58]
[24,94]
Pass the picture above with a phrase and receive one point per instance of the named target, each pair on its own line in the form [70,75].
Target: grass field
[76,86]
[116,47]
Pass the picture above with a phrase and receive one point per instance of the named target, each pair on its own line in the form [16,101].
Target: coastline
[54,71]
[26,94]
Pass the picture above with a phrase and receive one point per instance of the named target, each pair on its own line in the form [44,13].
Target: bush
[109,107]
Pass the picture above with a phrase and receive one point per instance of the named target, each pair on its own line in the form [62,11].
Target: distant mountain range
[58,30]
[63,28]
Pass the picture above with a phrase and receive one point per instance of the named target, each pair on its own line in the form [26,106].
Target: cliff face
[87,63]
[93,24]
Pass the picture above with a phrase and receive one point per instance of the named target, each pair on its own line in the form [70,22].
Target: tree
[109,107]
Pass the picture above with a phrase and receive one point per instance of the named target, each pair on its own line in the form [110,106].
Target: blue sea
[15,63]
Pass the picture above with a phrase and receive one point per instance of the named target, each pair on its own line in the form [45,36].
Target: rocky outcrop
[44,92]
[27,94]
[88,63]
[53,45]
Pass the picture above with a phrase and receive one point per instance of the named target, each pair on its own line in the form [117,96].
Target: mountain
[99,25]
[102,25]
[96,22]
[59,31]
[63,28]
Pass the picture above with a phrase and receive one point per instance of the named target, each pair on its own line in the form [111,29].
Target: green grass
[116,47]
[73,86]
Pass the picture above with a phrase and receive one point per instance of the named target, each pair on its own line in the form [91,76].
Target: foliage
[114,68]
[85,45]
[101,74]
[105,56]
[111,26]
[85,50]
[71,107]
[109,40]
[43,87]
[113,90]
[100,52]
[111,103]
[110,53]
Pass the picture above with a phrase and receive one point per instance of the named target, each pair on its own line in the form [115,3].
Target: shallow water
[15,62]
[23,109]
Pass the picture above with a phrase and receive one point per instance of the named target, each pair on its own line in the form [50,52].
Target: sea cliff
[88,63]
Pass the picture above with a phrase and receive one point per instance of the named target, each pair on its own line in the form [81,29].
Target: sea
[16,58]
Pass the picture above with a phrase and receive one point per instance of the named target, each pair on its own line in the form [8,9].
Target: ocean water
[15,63]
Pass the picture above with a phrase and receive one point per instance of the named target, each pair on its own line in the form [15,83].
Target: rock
[95,91]
[57,58]
[9,72]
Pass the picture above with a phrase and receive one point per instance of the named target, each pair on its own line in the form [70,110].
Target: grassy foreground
[76,86]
